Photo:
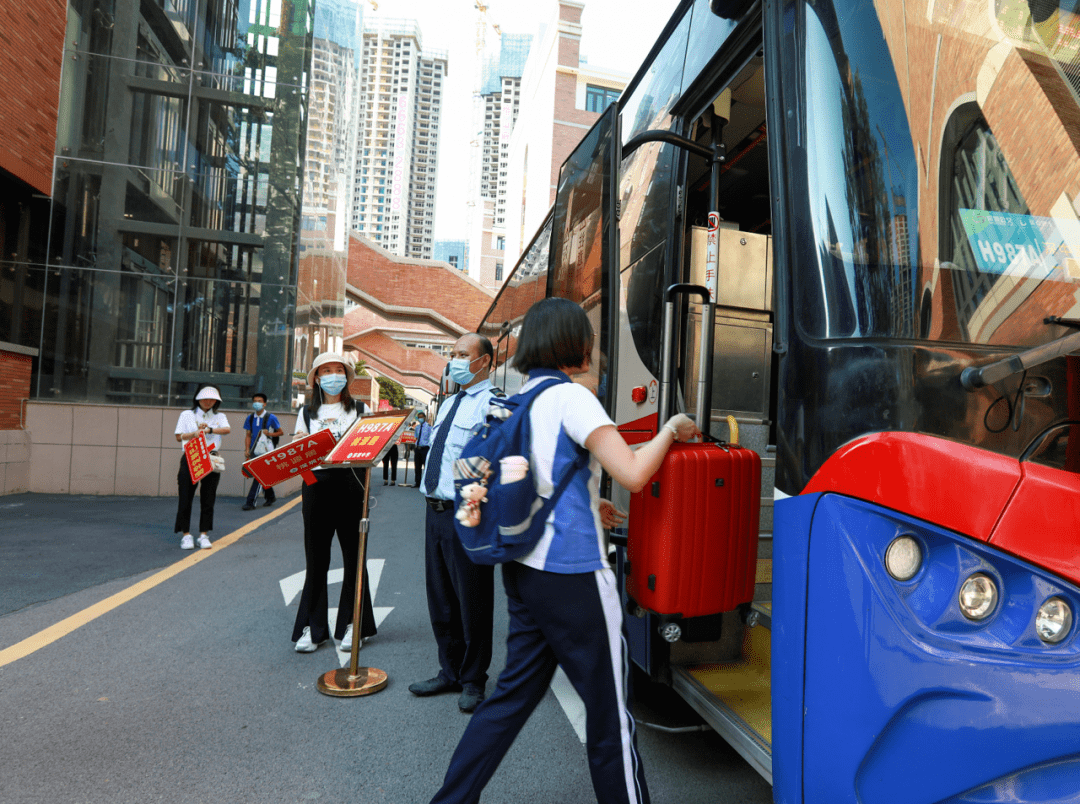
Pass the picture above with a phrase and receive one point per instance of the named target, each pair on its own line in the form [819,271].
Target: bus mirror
[730,9]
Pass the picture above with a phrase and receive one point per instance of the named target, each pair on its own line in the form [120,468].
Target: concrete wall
[123,450]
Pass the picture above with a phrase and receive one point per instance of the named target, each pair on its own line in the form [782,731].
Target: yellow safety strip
[46,637]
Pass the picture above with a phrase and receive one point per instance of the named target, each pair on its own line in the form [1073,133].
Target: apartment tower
[500,96]
[400,99]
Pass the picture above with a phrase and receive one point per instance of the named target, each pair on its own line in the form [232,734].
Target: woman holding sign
[333,504]
[202,418]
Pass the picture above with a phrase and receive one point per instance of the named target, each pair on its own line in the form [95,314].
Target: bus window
[583,234]
[526,285]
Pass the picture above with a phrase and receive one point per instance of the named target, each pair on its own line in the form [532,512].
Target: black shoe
[434,686]
[393,483]
[247,507]
[470,699]
[384,482]
[268,503]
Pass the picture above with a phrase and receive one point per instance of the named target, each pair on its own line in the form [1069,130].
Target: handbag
[262,445]
[217,463]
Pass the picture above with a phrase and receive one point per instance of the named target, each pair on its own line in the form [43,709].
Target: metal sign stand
[355,681]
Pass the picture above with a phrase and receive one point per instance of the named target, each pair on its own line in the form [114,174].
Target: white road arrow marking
[293,585]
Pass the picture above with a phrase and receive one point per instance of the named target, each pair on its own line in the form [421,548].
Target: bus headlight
[978,596]
[1053,621]
[903,558]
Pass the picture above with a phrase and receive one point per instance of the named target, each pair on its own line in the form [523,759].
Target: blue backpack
[512,515]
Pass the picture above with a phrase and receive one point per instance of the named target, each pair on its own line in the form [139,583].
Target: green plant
[392,391]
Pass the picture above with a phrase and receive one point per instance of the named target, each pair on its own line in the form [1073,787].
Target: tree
[392,392]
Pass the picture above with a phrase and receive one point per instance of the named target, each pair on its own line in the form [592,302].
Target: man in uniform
[423,444]
[459,592]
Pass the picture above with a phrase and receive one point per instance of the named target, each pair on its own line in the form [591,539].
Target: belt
[438,506]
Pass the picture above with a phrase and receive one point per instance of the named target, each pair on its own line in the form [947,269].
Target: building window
[498,271]
[500,243]
[599,98]
[452,259]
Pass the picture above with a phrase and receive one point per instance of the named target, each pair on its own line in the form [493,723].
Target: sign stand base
[341,683]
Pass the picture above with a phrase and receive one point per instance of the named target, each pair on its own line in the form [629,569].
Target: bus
[881,201]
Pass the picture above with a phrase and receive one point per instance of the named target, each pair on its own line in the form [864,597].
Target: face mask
[332,383]
[459,371]
[258,406]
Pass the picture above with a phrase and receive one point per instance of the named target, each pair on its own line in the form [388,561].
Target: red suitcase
[693,531]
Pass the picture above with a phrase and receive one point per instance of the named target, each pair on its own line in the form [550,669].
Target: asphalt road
[133,672]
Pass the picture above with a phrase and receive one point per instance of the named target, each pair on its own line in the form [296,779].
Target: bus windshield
[940,180]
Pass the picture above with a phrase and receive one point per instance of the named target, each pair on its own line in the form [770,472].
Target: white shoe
[304,643]
[346,641]
[187,543]
[204,541]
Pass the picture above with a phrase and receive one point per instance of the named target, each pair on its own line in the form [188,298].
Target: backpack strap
[582,457]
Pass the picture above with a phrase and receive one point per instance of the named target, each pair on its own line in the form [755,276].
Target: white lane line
[293,585]
[570,702]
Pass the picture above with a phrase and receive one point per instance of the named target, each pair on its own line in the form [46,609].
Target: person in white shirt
[563,597]
[333,504]
[203,417]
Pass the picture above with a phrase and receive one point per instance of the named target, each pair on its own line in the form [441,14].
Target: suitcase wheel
[671,632]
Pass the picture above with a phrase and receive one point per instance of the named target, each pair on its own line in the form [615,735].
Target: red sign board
[296,458]
[198,457]
[408,437]
[370,438]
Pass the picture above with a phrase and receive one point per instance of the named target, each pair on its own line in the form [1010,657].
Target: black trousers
[389,464]
[573,621]
[460,603]
[332,505]
[185,489]
[421,457]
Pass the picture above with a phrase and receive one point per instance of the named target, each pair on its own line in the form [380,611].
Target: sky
[616,34]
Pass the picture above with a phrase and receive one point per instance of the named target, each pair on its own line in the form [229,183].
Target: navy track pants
[573,621]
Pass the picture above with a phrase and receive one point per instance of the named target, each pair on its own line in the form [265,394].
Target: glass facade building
[174,239]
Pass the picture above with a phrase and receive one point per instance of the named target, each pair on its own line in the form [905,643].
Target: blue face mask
[258,406]
[332,384]
[459,371]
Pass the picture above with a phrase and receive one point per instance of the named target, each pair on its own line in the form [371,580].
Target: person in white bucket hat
[202,417]
[333,504]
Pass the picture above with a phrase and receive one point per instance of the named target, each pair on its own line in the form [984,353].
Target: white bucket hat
[209,392]
[329,357]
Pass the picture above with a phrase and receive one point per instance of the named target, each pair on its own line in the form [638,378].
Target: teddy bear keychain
[469,512]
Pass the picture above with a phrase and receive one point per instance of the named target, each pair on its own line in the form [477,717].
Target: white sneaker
[187,543]
[304,643]
[204,541]
[346,641]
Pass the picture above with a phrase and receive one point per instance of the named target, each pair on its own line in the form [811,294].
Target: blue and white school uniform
[564,608]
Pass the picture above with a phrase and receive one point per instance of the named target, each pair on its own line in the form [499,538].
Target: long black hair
[555,334]
[195,400]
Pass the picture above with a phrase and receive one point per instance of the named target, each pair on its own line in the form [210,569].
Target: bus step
[735,697]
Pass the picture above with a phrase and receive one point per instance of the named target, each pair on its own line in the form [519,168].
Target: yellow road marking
[46,637]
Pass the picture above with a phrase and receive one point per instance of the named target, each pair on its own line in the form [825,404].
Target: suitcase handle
[705,357]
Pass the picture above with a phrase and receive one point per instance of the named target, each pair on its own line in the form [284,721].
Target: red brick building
[404,314]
